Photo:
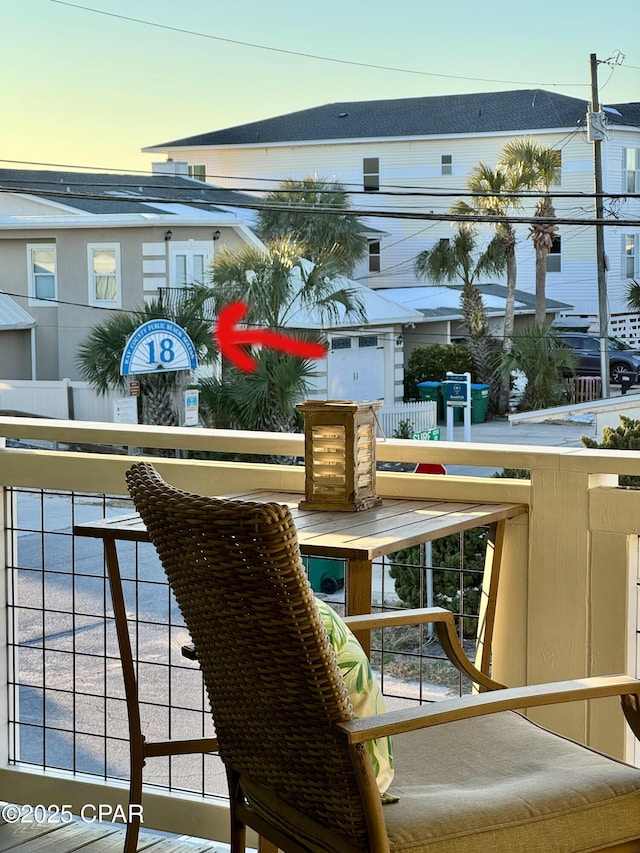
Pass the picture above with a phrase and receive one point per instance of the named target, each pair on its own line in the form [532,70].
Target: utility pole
[596,132]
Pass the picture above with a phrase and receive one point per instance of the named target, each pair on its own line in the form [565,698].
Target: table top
[394,524]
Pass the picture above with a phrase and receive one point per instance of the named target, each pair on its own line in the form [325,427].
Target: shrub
[539,353]
[406,571]
[626,436]
[430,364]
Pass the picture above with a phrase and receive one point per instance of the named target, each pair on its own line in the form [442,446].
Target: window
[371,174]
[41,260]
[554,258]
[104,274]
[446,164]
[198,171]
[189,262]
[630,260]
[374,255]
[368,341]
[631,170]
[340,343]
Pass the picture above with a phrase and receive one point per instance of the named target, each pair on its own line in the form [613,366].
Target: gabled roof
[487,112]
[379,310]
[442,302]
[108,194]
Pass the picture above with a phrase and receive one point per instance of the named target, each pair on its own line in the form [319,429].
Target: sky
[82,88]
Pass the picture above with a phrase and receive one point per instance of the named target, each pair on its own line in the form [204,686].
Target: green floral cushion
[364,691]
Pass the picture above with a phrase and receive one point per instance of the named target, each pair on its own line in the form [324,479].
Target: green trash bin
[326,574]
[432,391]
[479,403]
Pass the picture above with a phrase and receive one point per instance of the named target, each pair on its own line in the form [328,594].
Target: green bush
[430,364]
[623,437]
[445,552]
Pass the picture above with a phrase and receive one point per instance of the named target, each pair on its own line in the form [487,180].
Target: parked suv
[622,358]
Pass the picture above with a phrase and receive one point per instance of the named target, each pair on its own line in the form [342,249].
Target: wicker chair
[471,775]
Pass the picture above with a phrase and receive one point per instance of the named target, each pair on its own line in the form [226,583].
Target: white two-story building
[414,155]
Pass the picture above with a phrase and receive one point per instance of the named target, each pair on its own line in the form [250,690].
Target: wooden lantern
[339,455]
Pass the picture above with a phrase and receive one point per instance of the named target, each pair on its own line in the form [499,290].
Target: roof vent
[342,115]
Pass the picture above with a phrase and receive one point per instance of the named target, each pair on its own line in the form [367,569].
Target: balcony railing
[567,604]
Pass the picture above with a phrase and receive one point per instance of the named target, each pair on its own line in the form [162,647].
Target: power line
[400,190]
[378,214]
[304,54]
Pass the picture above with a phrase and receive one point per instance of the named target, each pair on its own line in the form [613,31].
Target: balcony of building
[567,604]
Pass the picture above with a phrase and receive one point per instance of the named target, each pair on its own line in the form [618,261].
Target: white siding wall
[416,164]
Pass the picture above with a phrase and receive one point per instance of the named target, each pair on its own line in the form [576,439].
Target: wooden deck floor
[93,838]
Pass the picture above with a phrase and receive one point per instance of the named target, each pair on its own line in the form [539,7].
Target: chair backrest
[270,672]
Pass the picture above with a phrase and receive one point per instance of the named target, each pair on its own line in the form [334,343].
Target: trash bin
[326,574]
[432,391]
[479,403]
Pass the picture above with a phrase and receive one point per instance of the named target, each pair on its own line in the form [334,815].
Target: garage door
[356,368]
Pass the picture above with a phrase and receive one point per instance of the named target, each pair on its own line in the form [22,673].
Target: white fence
[49,399]
[72,400]
[421,415]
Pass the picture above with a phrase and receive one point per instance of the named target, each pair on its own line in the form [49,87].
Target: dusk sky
[86,89]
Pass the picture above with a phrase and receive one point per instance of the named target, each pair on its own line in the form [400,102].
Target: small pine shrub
[404,429]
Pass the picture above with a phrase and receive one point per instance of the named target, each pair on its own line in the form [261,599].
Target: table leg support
[489,597]
[358,595]
[136,738]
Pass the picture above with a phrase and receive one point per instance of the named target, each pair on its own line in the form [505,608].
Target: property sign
[456,389]
[125,410]
[191,407]
[158,345]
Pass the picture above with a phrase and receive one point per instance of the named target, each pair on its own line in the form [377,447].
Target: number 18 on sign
[158,345]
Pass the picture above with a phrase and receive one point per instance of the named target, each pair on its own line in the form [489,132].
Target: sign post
[458,396]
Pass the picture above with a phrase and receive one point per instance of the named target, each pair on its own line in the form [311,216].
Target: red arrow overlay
[231,339]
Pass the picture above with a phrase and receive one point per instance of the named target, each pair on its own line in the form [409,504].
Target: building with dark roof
[411,157]
[74,244]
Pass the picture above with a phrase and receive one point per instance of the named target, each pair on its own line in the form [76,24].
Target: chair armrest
[391,618]
[445,628]
[509,699]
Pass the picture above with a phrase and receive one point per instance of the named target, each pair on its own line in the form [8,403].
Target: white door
[355,367]
[189,262]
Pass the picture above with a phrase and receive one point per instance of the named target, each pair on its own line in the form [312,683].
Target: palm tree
[539,169]
[633,296]
[497,194]
[99,355]
[277,285]
[497,191]
[545,361]
[458,258]
[336,232]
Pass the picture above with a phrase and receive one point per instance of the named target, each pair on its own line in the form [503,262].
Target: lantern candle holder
[339,455]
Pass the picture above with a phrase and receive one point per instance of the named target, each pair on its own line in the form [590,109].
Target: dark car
[622,358]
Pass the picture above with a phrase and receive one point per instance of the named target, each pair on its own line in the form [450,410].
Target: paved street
[501,432]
